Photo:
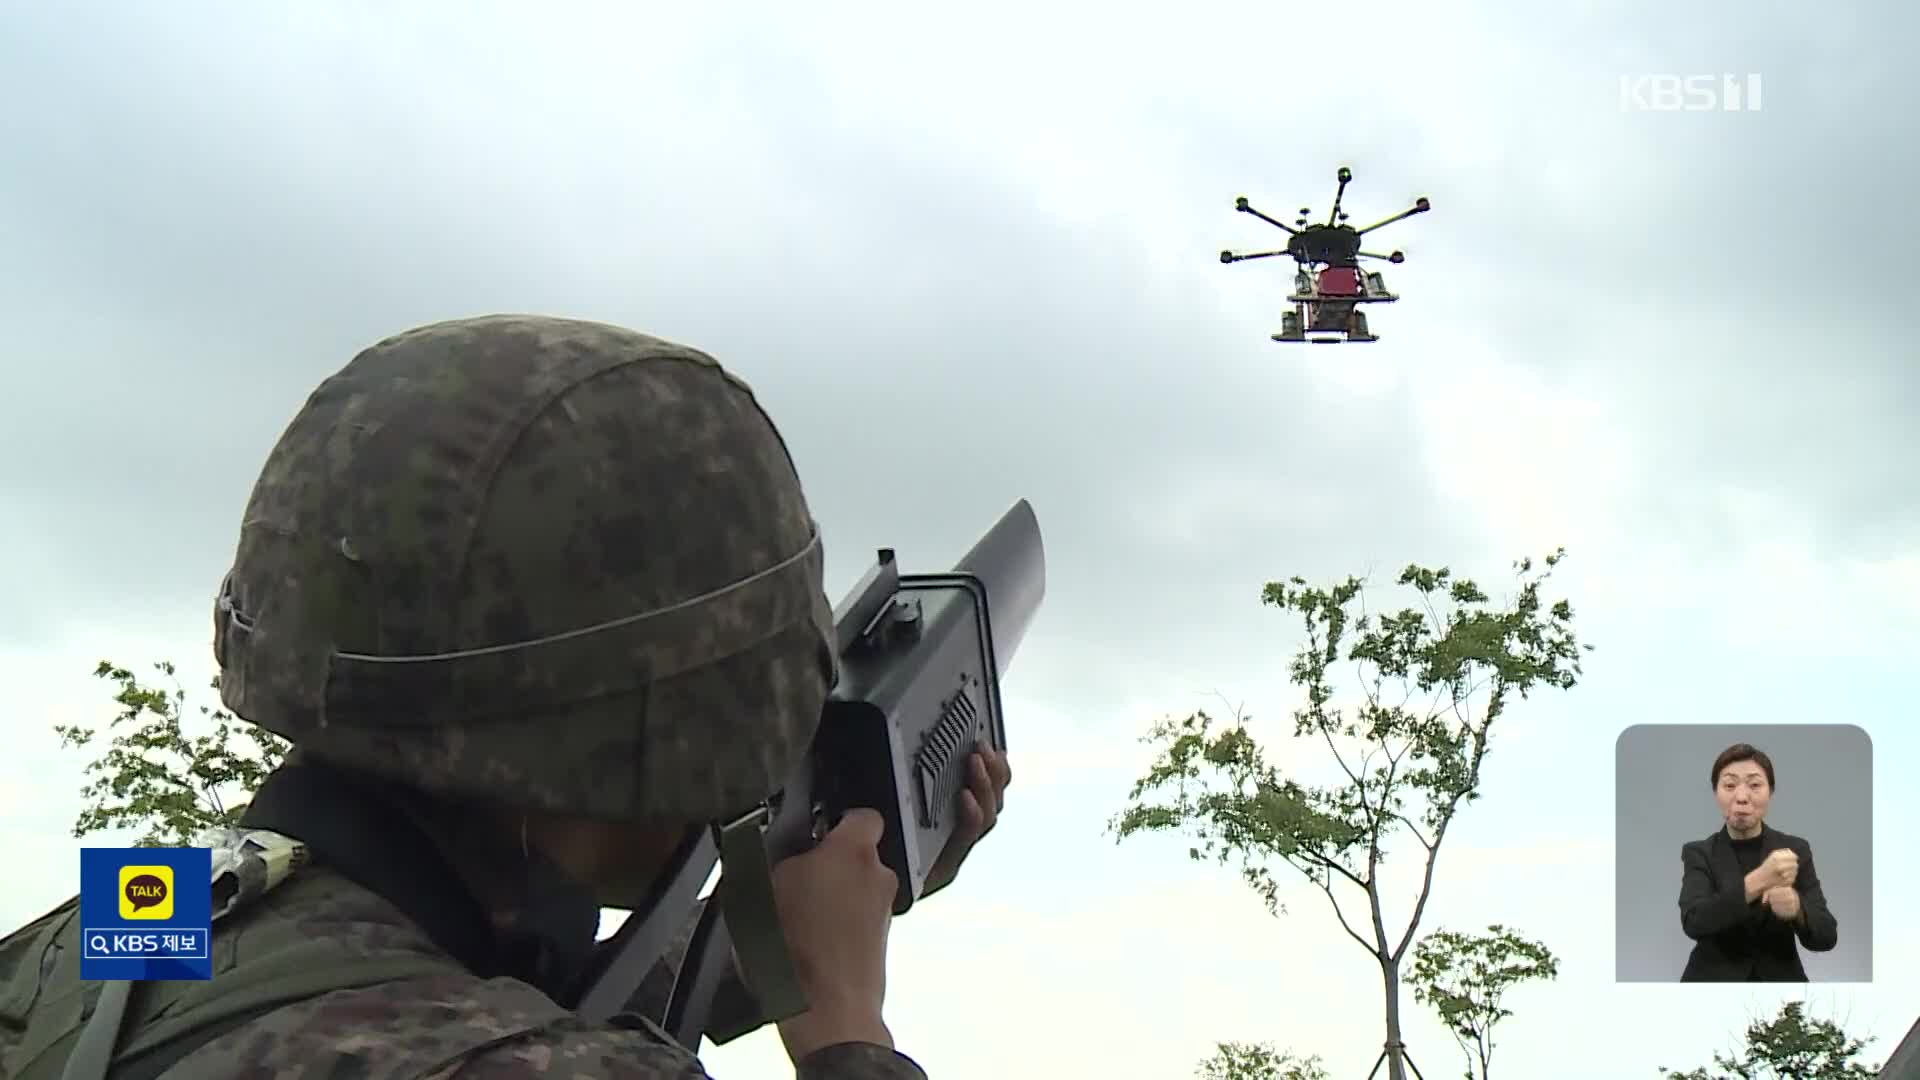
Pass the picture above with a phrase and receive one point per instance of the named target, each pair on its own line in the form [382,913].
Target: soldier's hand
[980,804]
[836,905]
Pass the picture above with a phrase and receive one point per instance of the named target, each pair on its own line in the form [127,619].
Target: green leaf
[1258,1061]
[158,777]
[1790,1046]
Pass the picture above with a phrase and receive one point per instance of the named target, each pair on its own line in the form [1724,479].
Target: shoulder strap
[93,1050]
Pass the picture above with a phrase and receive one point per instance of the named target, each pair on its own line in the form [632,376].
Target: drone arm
[1247,208]
[1419,207]
[1333,216]
[1230,257]
[1395,257]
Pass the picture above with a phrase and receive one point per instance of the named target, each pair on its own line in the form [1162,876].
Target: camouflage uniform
[496,565]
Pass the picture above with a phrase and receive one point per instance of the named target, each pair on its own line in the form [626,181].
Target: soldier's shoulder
[440,1026]
[322,913]
[583,1053]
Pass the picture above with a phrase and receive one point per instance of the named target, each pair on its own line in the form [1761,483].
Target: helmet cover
[536,562]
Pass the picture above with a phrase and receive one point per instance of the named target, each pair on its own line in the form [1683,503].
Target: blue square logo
[146,914]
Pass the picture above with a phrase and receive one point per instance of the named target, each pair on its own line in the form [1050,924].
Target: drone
[1330,286]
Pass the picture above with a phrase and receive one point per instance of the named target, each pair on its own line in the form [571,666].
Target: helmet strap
[624,960]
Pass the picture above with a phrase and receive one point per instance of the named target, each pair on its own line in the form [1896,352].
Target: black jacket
[1737,941]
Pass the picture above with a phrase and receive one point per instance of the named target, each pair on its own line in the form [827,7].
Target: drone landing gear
[1320,338]
[1324,331]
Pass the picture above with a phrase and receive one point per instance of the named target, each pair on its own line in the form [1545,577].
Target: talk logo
[146,892]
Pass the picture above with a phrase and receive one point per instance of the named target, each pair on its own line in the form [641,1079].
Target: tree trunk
[1390,980]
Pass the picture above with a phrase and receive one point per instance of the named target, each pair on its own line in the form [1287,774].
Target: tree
[157,776]
[1464,977]
[1258,1061]
[1791,1046]
[1428,747]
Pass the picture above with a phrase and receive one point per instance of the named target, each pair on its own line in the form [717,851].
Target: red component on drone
[1339,281]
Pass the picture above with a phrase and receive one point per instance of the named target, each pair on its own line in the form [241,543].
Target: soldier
[535,600]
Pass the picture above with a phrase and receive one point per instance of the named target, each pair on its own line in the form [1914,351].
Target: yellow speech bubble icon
[146,892]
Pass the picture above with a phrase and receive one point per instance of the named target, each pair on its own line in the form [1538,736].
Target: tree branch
[1330,864]
[1359,784]
[1415,830]
[1327,887]
[1426,883]
[1326,733]
[1439,834]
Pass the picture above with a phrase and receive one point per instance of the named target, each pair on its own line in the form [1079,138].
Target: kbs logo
[146,892]
[1689,93]
[146,913]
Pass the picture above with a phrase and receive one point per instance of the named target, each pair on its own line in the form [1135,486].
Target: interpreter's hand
[1784,902]
[1781,867]
[836,905]
[988,775]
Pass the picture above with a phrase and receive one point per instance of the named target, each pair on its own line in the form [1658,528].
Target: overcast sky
[971,257]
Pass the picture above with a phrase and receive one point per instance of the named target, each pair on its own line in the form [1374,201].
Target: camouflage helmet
[537,562]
